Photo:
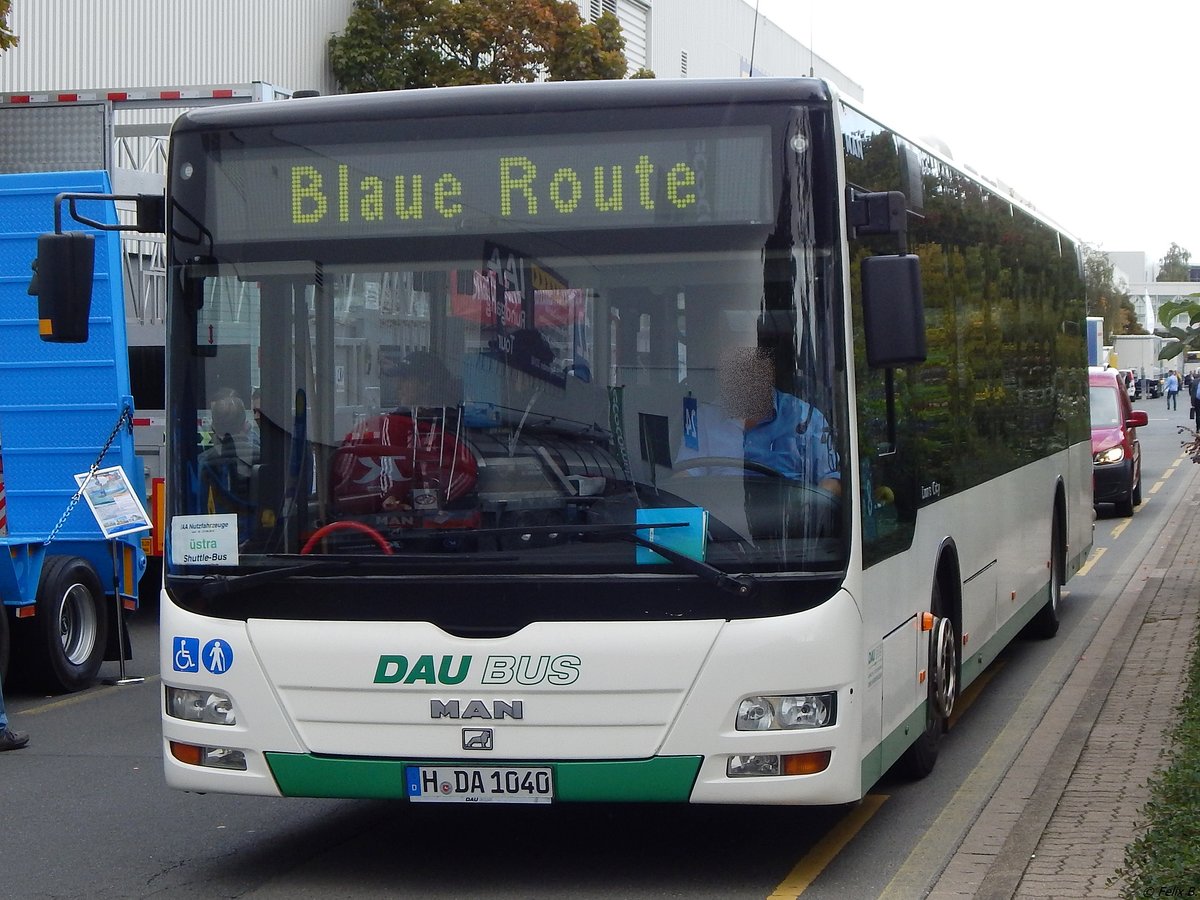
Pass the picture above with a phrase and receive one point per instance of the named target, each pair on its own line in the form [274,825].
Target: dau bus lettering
[449,669]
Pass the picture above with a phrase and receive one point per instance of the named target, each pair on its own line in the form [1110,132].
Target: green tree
[8,40]
[399,44]
[586,52]
[1174,266]
[1105,298]
[389,45]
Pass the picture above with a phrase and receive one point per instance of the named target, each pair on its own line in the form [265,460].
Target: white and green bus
[632,441]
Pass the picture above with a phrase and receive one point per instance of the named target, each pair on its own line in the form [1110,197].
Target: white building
[1136,273]
[79,44]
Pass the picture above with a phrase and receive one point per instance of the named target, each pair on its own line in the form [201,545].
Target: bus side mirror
[893,311]
[62,282]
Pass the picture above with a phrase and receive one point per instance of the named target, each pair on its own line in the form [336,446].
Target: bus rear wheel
[921,756]
[62,647]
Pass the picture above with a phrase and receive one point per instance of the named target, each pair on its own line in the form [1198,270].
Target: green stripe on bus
[663,779]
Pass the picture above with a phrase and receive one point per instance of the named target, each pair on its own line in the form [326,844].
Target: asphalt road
[87,814]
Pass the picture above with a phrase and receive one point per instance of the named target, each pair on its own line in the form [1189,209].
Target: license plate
[479,784]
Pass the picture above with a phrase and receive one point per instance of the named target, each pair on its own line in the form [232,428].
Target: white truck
[1139,353]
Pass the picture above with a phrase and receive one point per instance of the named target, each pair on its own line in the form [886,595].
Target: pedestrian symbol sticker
[186,654]
[217,656]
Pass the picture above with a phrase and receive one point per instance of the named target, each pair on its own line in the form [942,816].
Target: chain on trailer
[125,419]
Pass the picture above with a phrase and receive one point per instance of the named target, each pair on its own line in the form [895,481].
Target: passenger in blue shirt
[757,422]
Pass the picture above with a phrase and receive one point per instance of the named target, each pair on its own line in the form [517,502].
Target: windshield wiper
[219,585]
[741,585]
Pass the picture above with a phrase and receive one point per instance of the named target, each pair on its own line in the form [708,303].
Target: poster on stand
[117,508]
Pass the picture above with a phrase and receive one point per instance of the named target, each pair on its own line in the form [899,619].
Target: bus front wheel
[921,756]
[1045,623]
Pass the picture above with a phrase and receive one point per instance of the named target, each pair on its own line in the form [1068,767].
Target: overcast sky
[1088,110]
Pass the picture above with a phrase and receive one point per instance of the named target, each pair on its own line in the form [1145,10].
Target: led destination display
[493,185]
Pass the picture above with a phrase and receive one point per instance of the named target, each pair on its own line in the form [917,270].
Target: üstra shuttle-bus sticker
[205,540]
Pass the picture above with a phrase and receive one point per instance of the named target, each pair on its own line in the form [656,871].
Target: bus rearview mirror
[62,282]
[893,311]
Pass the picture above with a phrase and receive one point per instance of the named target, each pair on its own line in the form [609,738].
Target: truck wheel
[62,646]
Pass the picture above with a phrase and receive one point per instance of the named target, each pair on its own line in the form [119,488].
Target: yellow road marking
[70,701]
[1167,474]
[1116,532]
[1091,561]
[813,863]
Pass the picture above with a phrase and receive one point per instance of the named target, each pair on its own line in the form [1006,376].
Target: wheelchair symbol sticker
[186,655]
[217,657]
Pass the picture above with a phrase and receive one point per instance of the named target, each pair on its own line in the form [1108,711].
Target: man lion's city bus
[632,441]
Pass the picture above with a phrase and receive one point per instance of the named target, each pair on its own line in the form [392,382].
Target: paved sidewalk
[1058,824]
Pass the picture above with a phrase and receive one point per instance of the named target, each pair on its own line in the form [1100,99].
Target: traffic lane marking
[72,700]
[814,862]
[1167,473]
[1097,552]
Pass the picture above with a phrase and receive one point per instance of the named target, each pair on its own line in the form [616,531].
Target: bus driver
[759,423]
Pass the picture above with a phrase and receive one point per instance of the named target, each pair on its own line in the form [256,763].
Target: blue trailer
[65,409]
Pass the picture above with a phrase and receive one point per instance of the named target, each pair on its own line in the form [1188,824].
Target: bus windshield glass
[487,345]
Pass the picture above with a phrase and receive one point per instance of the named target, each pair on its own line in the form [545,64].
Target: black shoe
[12,740]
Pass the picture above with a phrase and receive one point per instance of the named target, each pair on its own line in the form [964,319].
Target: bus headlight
[812,763]
[211,707]
[210,757]
[1111,455]
[787,712]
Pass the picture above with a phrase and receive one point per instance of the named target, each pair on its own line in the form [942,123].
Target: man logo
[477,738]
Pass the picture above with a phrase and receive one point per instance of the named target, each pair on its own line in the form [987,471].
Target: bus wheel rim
[945,672]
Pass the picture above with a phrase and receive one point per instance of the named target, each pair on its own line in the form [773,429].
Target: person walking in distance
[1172,390]
[9,739]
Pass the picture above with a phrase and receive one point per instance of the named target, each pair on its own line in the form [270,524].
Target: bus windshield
[541,351]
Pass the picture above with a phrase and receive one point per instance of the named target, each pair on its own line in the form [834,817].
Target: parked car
[1116,452]
[1149,387]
